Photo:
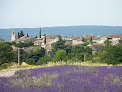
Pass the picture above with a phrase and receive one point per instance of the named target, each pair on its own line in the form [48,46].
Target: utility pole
[18,56]
[84,56]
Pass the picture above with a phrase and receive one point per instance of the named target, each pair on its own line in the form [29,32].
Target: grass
[60,63]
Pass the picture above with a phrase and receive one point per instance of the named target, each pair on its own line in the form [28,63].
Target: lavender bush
[65,79]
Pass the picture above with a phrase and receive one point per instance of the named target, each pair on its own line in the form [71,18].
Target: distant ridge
[65,30]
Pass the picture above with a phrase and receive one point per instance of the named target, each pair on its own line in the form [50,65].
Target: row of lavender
[65,79]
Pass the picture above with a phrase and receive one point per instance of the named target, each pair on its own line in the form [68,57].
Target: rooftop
[114,36]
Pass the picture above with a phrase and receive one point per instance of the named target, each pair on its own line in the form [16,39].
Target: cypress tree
[40,33]
[18,35]
[45,39]
[27,35]
[21,33]
[83,39]
[91,39]
[36,36]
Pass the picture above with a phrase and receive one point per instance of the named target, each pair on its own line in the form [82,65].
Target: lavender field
[64,79]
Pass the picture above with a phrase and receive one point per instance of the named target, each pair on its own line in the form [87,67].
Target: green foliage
[83,39]
[53,44]
[27,35]
[6,53]
[60,55]
[44,60]
[90,39]
[78,52]
[36,36]
[21,44]
[36,53]
[60,44]
[107,42]
[10,43]
[18,35]
[45,39]
[85,44]
[74,59]
[21,33]
[4,66]
[40,33]
[30,61]
[110,54]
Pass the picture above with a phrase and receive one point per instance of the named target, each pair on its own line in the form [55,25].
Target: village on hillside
[97,41]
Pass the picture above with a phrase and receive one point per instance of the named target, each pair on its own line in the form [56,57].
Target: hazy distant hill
[65,31]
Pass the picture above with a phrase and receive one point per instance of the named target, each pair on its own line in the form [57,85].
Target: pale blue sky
[43,13]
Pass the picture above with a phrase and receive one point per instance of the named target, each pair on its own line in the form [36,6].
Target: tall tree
[36,36]
[18,35]
[40,33]
[27,35]
[60,44]
[60,55]
[91,39]
[110,54]
[83,39]
[45,39]
[21,33]
[6,53]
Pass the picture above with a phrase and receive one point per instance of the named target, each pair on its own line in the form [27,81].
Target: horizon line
[61,26]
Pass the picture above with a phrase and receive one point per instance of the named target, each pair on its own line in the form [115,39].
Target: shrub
[74,59]
[6,53]
[4,66]
[44,60]
[30,61]
[60,55]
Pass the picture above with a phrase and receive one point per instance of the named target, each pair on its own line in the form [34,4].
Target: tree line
[110,54]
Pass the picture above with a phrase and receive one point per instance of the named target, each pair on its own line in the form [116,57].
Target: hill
[65,31]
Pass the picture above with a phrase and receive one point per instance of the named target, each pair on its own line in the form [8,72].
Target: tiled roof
[114,36]
[96,38]
[76,38]
[38,41]
[95,46]
[48,40]
[22,38]
[26,39]
[68,38]
[51,36]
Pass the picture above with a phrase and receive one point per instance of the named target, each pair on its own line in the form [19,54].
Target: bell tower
[13,36]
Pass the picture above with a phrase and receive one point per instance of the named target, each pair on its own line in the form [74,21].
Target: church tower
[13,36]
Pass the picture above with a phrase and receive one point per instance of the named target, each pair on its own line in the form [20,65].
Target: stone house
[97,39]
[95,47]
[114,38]
[68,41]
[77,40]
[120,41]
[48,49]
[39,42]
[25,39]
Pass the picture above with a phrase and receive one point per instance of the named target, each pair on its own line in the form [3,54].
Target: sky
[47,13]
